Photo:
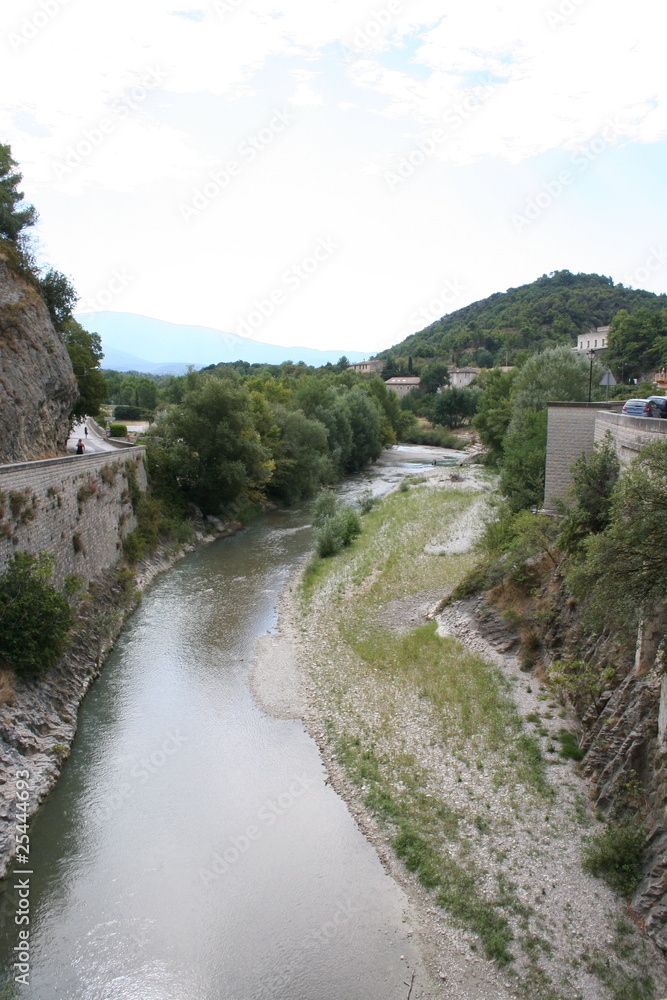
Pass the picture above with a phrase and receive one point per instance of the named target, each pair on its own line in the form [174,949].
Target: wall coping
[591,406]
[82,460]
[646,423]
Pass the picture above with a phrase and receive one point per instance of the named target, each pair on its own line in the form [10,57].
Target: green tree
[35,620]
[524,451]
[455,406]
[434,376]
[636,341]
[588,508]
[60,297]
[207,451]
[85,351]
[619,580]
[13,218]
[494,409]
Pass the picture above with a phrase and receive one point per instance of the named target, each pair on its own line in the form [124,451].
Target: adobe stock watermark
[291,281]
[424,148]
[266,816]
[33,24]
[141,772]
[366,34]
[580,161]
[118,282]
[94,136]
[655,261]
[451,291]
[221,178]
[224,7]
[562,13]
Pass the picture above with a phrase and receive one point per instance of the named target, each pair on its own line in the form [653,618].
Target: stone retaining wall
[77,508]
[630,434]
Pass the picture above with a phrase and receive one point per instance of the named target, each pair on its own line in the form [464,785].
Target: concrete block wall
[77,508]
[630,434]
[570,431]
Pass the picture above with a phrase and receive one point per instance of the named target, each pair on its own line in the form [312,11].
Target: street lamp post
[591,355]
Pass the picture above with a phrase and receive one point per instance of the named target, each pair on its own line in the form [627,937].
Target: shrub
[117,430]
[35,620]
[367,501]
[127,413]
[615,855]
[324,507]
[338,531]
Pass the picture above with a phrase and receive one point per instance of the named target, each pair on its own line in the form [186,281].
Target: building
[402,384]
[459,378]
[372,365]
[596,339]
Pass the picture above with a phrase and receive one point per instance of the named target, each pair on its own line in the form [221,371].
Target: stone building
[595,339]
[402,384]
[372,365]
[459,378]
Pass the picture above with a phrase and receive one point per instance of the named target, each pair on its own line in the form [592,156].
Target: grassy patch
[424,833]
[569,745]
[615,855]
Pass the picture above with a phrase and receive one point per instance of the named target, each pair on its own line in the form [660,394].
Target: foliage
[593,479]
[618,577]
[437,437]
[337,531]
[156,522]
[455,407]
[434,376]
[127,413]
[637,341]
[367,501]
[85,351]
[35,620]
[324,507]
[552,310]
[13,218]
[524,452]
[60,297]
[615,855]
[117,430]
[494,408]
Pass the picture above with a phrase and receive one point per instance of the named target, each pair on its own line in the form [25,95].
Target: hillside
[551,310]
[132,342]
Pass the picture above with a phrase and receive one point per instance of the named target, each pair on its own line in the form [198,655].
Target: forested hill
[549,311]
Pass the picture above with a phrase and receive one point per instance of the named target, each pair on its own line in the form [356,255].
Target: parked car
[641,408]
[660,401]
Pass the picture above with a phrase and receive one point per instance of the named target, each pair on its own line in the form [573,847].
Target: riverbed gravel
[574,940]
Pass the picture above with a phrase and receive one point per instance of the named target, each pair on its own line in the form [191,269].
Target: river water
[191,849]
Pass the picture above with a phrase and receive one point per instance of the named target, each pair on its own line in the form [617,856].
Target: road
[93,443]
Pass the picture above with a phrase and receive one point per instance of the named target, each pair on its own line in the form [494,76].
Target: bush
[35,620]
[337,532]
[615,855]
[128,413]
[324,507]
[118,430]
[367,501]
[438,437]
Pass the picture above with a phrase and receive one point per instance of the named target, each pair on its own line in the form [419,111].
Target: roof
[455,371]
[403,380]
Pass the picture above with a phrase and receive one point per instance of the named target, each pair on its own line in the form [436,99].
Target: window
[588,343]
[596,343]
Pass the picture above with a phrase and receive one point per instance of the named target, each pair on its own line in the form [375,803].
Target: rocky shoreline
[39,721]
[571,936]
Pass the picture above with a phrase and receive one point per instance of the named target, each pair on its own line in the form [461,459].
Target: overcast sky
[336,173]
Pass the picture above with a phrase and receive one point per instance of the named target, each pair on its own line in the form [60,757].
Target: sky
[336,173]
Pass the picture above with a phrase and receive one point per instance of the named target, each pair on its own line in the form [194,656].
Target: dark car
[661,402]
[641,408]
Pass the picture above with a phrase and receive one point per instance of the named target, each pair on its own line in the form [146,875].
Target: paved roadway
[93,443]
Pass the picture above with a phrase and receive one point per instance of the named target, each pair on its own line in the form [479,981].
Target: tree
[588,511]
[207,451]
[35,620]
[637,341]
[13,218]
[434,376]
[454,406]
[524,451]
[494,409]
[85,351]
[60,297]
[619,580]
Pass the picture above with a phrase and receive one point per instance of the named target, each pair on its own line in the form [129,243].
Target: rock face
[37,384]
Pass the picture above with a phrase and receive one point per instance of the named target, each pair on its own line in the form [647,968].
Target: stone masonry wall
[77,508]
[630,434]
[571,431]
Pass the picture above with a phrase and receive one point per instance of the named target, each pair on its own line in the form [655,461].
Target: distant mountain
[551,310]
[129,340]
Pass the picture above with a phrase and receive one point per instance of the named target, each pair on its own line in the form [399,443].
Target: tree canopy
[15,214]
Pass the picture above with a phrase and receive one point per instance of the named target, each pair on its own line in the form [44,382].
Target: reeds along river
[191,849]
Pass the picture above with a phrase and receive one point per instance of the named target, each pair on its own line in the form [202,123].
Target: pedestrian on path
[85,430]
[80,448]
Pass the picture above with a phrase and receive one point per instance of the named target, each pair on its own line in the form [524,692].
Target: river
[191,849]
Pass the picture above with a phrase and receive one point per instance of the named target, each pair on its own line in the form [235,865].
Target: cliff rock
[37,384]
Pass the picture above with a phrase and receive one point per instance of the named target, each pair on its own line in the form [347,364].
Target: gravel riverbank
[447,755]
